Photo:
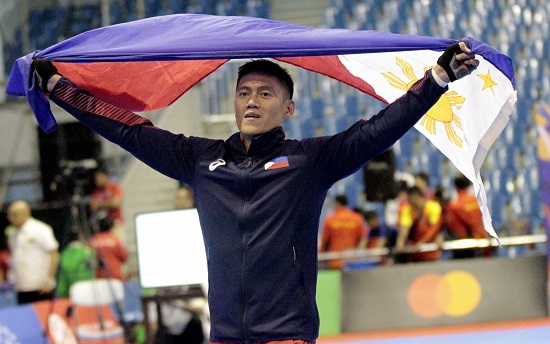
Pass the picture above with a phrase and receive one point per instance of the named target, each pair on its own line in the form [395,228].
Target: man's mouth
[251,115]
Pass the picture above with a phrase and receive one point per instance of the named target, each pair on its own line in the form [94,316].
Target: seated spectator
[420,223]
[77,263]
[343,230]
[110,252]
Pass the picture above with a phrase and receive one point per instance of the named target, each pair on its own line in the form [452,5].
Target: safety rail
[445,246]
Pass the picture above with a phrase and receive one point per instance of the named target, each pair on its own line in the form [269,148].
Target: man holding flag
[259,195]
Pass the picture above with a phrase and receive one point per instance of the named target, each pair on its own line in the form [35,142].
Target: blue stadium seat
[308,128]
[317,108]
[353,191]
[407,146]
[152,7]
[329,125]
[334,17]
[178,6]
[348,6]
[116,13]
[257,8]
[292,128]
[208,6]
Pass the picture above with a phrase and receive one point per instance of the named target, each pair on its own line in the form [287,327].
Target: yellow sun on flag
[442,111]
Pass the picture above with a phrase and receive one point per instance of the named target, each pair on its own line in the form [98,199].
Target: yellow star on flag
[488,82]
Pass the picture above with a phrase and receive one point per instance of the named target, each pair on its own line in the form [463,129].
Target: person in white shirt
[34,252]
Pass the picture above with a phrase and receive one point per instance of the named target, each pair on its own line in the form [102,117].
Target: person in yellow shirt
[420,222]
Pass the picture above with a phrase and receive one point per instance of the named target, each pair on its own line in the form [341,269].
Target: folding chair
[92,314]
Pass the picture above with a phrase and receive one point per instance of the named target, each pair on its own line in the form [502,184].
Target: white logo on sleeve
[215,164]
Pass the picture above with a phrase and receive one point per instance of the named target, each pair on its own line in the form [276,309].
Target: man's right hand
[43,71]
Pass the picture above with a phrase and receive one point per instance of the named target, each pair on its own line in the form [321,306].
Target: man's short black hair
[341,199]
[415,190]
[424,176]
[270,68]
[105,224]
[462,183]
[370,215]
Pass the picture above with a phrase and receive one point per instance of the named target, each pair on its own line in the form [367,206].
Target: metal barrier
[444,246]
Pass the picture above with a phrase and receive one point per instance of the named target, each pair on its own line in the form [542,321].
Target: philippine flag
[279,162]
[147,64]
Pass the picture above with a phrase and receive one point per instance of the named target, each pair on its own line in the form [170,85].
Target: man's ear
[290,109]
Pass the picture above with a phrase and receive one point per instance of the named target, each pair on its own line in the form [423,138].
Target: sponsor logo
[216,163]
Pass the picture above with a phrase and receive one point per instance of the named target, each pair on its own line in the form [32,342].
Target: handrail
[445,246]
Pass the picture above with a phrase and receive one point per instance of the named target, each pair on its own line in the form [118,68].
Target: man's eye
[243,94]
[265,94]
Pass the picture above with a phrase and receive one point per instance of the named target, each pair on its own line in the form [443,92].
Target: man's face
[261,104]
[18,215]
[417,201]
[101,179]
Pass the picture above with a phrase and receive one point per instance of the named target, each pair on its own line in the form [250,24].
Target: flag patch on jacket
[279,162]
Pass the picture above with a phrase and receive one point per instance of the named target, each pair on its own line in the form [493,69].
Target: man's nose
[252,103]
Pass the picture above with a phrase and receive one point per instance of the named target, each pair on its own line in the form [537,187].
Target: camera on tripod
[75,177]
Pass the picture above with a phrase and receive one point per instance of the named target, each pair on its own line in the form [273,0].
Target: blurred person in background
[394,207]
[422,181]
[184,198]
[381,235]
[106,200]
[77,263]
[343,230]
[34,254]
[464,219]
[5,258]
[110,252]
[420,223]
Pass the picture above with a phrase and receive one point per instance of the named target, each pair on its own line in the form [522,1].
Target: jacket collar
[260,145]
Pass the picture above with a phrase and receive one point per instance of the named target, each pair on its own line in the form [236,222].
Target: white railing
[376,253]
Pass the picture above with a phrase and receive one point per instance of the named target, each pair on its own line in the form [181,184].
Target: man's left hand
[456,62]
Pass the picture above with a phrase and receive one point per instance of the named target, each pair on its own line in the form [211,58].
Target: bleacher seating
[525,40]
[525,37]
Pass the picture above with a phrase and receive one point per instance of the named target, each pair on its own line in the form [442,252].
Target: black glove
[43,71]
[454,68]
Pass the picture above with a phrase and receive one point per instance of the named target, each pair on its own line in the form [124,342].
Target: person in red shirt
[464,219]
[343,230]
[106,198]
[110,252]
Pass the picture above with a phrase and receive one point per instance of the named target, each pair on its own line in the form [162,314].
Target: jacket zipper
[243,259]
[299,270]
